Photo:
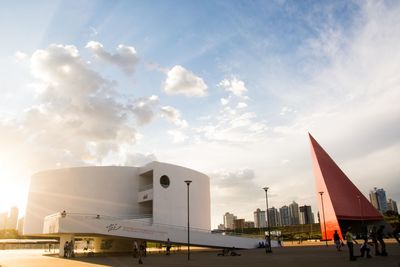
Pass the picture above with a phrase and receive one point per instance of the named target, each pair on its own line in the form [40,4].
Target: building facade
[249,224]
[3,220]
[274,217]
[284,213]
[20,226]
[12,219]
[156,191]
[294,216]
[117,205]
[239,224]
[306,215]
[229,221]
[259,219]
[378,199]
[392,205]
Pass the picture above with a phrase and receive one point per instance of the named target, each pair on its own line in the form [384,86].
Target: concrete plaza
[282,257]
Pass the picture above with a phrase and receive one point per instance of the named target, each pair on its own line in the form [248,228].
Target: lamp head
[321,192]
[188,182]
[266,189]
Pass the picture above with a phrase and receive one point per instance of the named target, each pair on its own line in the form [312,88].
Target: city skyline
[230,89]
[303,214]
[296,215]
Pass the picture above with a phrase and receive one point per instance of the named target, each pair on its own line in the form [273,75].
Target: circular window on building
[164,181]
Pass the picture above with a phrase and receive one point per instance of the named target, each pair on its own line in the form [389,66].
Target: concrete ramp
[141,228]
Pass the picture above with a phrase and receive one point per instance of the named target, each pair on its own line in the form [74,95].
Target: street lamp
[323,216]
[268,248]
[188,229]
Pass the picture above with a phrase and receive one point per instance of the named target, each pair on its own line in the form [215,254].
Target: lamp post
[323,216]
[268,248]
[188,225]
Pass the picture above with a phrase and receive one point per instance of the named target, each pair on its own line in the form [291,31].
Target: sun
[13,187]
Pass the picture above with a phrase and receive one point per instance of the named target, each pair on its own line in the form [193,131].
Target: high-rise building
[373,199]
[378,199]
[12,219]
[392,205]
[306,215]
[249,224]
[238,224]
[284,212]
[294,217]
[3,220]
[259,219]
[229,221]
[20,225]
[273,216]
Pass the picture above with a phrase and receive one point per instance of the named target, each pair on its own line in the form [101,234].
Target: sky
[228,88]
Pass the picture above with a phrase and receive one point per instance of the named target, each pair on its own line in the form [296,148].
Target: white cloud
[241,105]
[348,102]
[173,115]
[76,120]
[125,57]
[286,110]
[224,101]
[143,109]
[235,86]
[19,56]
[182,81]
[64,74]
[233,126]
[138,159]
[93,31]
[234,191]
[177,136]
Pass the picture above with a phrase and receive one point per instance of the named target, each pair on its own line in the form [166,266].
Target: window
[164,181]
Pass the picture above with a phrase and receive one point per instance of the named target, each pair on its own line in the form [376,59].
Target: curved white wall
[170,204]
[114,191]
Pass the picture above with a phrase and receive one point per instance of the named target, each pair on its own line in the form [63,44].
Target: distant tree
[391,213]
[9,234]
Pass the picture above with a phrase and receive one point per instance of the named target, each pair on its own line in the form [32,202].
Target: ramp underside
[146,231]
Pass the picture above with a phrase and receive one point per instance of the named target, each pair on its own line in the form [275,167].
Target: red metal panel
[342,199]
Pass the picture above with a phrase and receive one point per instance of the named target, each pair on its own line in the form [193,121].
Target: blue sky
[229,88]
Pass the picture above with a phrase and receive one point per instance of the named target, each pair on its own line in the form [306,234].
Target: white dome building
[148,203]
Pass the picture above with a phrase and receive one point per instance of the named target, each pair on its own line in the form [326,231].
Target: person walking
[143,248]
[396,233]
[338,242]
[71,249]
[374,239]
[168,247]
[365,249]
[379,236]
[66,247]
[135,249]
[350,243]
[140,254]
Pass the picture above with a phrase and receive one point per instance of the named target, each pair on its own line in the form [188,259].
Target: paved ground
[282,257]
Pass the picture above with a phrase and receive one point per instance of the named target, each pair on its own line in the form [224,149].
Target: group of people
[376,236]
[68,249]
[229,252]
[139,251]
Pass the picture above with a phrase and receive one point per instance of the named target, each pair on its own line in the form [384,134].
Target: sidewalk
[282,257]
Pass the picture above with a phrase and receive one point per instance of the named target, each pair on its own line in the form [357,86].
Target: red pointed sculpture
[344,204]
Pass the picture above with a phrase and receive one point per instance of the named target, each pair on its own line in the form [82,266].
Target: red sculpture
[344,204]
